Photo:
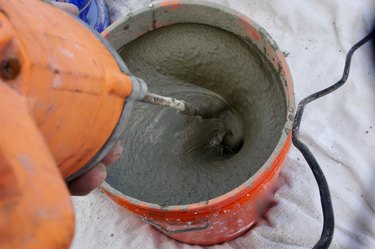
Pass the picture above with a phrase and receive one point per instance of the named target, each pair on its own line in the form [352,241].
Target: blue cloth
[93,12]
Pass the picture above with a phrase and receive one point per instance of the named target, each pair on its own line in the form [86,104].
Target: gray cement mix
[174,159]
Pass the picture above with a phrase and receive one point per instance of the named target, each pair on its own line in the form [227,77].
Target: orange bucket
[230,215]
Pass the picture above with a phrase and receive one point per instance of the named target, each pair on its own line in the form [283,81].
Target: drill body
[64,100]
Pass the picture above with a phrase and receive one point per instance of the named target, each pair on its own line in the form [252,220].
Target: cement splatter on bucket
[177,172]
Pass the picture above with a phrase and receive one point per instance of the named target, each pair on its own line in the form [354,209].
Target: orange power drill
[65,96]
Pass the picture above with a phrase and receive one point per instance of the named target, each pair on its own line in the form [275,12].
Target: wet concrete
[173,159]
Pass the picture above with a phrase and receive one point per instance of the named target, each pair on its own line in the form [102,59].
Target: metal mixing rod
[181,106]
[210,109]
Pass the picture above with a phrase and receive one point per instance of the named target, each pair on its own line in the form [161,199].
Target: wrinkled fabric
[339,129]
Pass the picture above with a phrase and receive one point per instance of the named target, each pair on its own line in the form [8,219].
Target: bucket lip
[284,140]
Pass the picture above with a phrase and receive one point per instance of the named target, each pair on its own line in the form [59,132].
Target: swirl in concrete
[174,159]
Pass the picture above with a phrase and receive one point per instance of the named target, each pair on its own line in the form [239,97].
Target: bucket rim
[273,163]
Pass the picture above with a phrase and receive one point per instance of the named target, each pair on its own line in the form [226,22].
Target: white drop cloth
[340,130]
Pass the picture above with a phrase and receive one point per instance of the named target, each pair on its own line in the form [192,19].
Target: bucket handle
[206,225]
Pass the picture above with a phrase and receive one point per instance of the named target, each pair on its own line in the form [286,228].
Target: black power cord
[325,197]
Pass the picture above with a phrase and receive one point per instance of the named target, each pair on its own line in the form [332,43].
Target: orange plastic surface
[236,211]
[35,207]
[61,95]
[75,91]
[230,215]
